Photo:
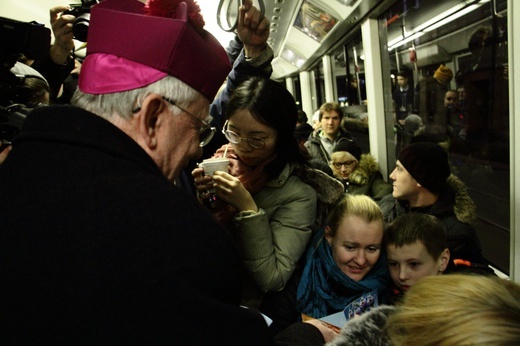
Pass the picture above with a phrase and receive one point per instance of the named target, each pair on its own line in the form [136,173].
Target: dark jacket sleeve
[387,205]
[300,334]
[54,74]
[242,69]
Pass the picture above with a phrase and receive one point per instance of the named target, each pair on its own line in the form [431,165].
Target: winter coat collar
[454,200]
[366,167]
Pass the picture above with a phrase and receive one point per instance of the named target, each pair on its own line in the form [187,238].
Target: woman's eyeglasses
[347,164]
[234,138]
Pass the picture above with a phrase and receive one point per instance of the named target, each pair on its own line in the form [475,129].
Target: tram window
[354,72]
[469,41]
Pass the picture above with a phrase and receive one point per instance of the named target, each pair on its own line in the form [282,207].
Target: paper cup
[212,165]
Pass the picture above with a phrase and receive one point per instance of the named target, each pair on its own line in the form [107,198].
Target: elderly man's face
[179,142]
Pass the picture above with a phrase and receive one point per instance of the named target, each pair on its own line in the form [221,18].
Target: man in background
[403,96]
[321,143]
[423,183]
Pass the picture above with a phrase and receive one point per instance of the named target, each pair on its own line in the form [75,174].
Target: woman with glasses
[358,172]
[267,199]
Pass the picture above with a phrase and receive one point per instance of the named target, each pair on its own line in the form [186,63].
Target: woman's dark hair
[273,105]
[32,90]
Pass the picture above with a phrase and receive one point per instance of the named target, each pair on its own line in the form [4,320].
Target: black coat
[98,247]
[457,212]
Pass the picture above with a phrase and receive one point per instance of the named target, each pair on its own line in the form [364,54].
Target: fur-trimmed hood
[366,167]
[464,207]
[366,330]
[328,190]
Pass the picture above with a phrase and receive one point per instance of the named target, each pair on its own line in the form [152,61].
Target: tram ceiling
[303,31]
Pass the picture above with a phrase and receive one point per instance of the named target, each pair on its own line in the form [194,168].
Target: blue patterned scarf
[324,289]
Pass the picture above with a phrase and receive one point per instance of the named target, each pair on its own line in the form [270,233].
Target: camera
[82,21]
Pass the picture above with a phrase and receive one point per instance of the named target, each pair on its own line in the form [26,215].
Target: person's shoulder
[387,200]
[344,134]
[314,137]
[290,180]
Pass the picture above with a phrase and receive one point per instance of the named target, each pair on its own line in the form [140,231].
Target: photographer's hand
[4,153]
[62,29]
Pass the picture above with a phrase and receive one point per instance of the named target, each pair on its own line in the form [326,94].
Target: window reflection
[314,21]
[456,69]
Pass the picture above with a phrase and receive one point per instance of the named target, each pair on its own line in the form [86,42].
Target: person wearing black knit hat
[422,182]
[428,164]
[358,172]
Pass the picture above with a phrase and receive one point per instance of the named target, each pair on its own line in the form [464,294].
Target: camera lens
[80,27]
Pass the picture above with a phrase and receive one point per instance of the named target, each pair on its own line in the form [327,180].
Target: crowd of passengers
[113,234]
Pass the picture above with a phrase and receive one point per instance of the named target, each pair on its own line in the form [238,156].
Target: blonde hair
[455,309]
[357,205]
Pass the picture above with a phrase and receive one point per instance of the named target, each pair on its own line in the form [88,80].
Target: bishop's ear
[150,118]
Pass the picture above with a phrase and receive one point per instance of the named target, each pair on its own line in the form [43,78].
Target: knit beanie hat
[443,74]
[427,163]
[412,123]
[348,146]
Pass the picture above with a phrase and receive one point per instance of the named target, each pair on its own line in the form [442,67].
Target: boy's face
[410,263]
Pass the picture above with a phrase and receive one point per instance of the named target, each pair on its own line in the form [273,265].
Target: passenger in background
[26,87]
[69,85]
[316,125]
[403,96]
[451,99]
[34,89]
[432,90]
[322,142]
[358,172]
[408,132]
[271,200]
[422,183]
[303,129]
[302,134]
[455,123]
[352,90]
[59,63]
